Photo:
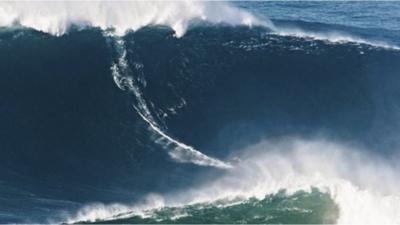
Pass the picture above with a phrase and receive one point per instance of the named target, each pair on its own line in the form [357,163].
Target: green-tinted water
[301,207]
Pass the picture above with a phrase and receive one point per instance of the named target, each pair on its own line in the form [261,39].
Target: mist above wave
[57,17]
[364,186]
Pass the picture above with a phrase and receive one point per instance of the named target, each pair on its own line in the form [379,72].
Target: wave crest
[364,186]
[57,17]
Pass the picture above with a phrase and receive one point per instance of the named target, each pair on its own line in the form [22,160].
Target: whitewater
[364,185]
[58,17]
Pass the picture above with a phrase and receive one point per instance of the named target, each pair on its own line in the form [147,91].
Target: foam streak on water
[185,153]
[125,80]
[333,37]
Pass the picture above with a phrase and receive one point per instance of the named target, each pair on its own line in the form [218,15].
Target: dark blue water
[69,136]
[375,20]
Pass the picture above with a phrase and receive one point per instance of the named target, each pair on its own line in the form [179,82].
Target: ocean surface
[200,112]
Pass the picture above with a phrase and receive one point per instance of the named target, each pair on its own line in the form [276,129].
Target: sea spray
[345,186]
[57,17]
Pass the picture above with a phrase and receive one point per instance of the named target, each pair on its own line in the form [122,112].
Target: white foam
[364,186]
[99,211]
[56,17]
[331,36]
[125,80]
[185,153]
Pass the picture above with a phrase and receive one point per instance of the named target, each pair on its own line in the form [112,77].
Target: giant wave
[286,114]
[346,173]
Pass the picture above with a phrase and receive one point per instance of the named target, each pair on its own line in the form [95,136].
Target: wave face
[187,119]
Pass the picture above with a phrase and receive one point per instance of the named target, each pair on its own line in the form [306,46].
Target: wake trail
[124,79]
[185,153]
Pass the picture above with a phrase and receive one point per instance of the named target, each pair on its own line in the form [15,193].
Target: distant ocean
[200,112]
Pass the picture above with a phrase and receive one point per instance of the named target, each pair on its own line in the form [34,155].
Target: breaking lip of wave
[365,187]
[311,207]
[57,17]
